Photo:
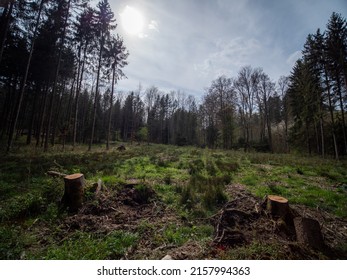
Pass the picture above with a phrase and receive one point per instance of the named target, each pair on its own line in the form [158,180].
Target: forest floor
[159,200]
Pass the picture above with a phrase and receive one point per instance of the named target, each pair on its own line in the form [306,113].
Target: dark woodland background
[59,66]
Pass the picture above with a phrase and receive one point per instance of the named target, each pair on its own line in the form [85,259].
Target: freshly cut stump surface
[277,206]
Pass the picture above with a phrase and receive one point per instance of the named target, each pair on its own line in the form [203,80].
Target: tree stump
[308,232]
[277,206]
[74,191]
[121,148]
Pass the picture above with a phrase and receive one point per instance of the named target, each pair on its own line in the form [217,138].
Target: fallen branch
[96,188]
[56,174]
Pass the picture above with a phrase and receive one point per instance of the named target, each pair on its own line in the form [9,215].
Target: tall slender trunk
[343,125]
[321,122]
[6,109]
[78,91]
[6,27]
[331,110]
[322,136]
[318,149]
[21,94]
[56,78]
[66,126]
[268,123]
[308,136]
[286,134]
[96,93]
[111,105]
[32,118]
[60,100]
[21,119]
[42,117]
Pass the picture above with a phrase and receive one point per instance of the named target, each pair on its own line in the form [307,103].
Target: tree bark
[41,117]
[111,105]
[96,93]
[308,232]
[7,25]
[78,90]
[55,174]
[277,206]
[57,115]
[33,114]
[342,111]
[74,191]
[331,110]
[321,124]
[21,94]
[56,78]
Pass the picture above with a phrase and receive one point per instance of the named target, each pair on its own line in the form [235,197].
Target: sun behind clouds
[132,21]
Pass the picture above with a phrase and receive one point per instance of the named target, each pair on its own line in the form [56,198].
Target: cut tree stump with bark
[277,206]
[121,148]
[74,191]
[308,232]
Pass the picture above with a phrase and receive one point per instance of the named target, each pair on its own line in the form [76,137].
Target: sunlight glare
[132,20]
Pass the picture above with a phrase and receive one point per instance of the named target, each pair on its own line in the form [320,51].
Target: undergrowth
[189,181]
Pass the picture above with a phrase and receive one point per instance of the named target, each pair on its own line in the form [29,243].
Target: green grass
[87,246]
[188,181]
[254,251]
[178,235]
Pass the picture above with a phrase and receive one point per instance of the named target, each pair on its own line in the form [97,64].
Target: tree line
[59,66]
[318,91]
[49,49]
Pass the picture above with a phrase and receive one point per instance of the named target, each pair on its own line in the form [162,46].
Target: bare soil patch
[240,223]
[244,220]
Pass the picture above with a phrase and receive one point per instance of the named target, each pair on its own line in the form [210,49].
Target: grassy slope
[190,181]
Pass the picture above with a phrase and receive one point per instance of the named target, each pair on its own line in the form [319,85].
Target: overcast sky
[185,44]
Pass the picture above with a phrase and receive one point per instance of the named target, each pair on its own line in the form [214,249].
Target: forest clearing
[158,200]
[177,130]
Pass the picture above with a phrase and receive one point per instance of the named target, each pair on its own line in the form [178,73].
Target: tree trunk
[32,117]
[56,78]
[342,112]
[308,232]
[331,110]
[66,126]
[6,109]
[49,121]
[277,206]
[321,124]
[268,123]
[318,149]
[74,191]
[21,94]
[111,105]
[96,94]
[6,26]
[41,118]
[57,115]
[78,91]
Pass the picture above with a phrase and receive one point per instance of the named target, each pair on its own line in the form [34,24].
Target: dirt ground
[241,222]
[248,221]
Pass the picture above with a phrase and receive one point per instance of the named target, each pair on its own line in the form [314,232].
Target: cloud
[142,35]
[153,25]
[229,57]
[293,58]
[202,39]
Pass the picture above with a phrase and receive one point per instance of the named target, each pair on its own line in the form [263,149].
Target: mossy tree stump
[74,191]
[277,206]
